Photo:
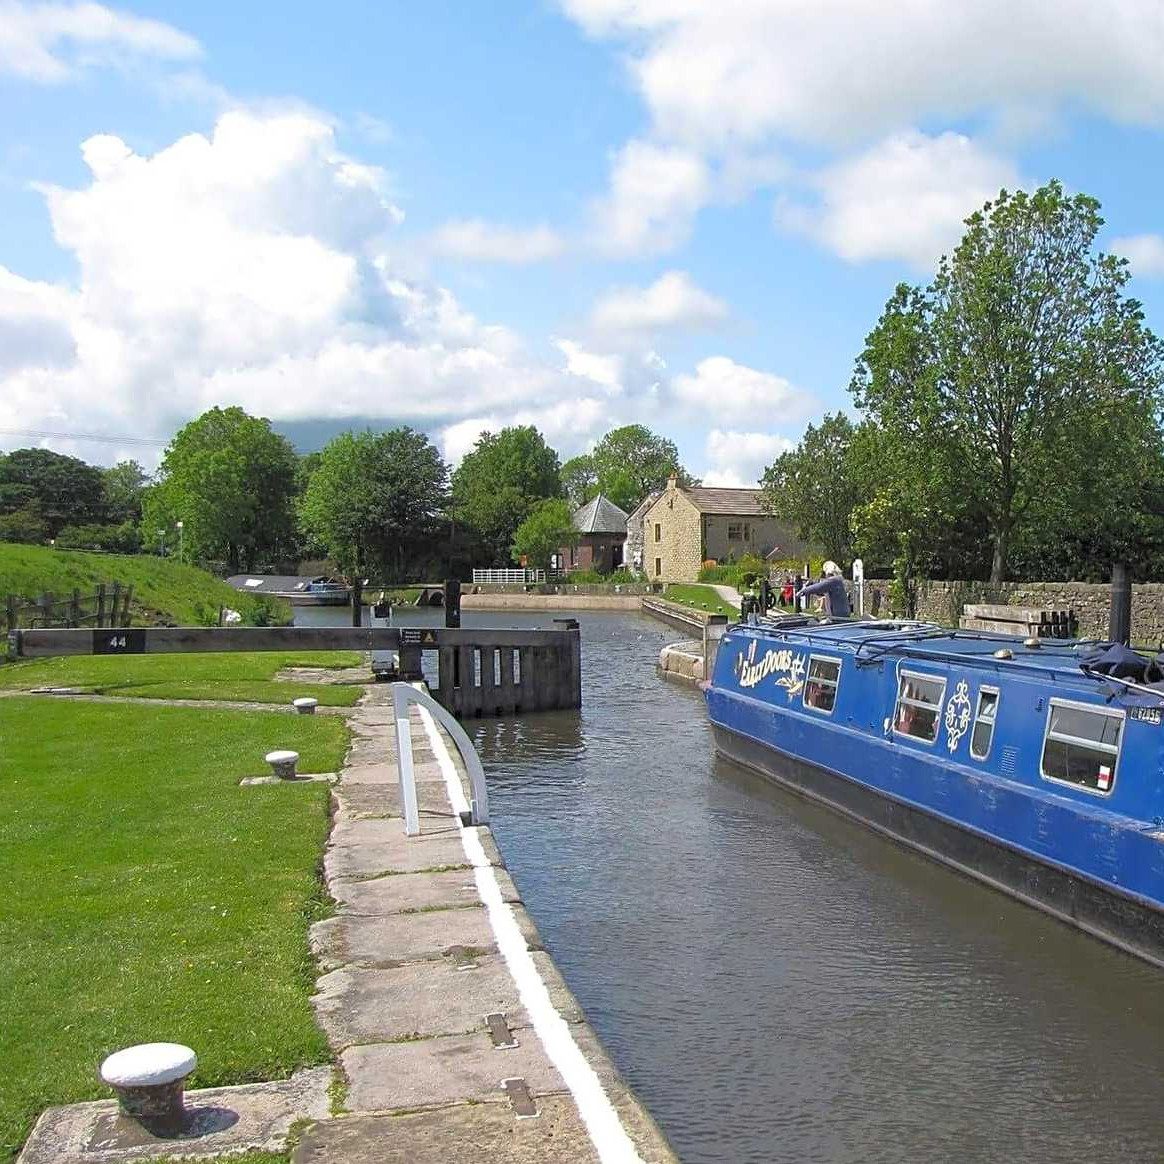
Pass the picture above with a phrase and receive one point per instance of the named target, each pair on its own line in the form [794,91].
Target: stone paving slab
[362,848]
[385,800]
[384,772]
[256,1116]
[453,1135]
[450,1069]
[391,941]
[410,891]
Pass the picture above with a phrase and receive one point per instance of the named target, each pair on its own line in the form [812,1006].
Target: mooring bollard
[150,1081]
[283,764]
[305,705]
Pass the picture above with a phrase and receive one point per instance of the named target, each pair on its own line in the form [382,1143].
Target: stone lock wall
[942,601]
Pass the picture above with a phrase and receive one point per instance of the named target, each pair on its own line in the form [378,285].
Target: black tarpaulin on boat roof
[1122,662]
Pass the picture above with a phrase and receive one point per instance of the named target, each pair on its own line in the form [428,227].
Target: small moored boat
[1033,765]
[319,591]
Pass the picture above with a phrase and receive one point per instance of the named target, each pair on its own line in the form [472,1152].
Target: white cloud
[1144,251]
[728,391]
[601,369]
[672,301]
[50,43]
[738,459]
[655,193]
[906,198]
[256,266]
[740,71]
[491,243]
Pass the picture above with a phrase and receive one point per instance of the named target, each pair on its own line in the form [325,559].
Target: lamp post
[161,543]
[181,540]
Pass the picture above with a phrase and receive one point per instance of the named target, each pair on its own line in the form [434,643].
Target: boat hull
[298,598]
[1089,906]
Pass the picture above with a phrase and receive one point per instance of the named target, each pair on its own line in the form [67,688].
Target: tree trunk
[999,562]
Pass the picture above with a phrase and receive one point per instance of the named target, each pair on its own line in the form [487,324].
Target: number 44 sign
[119,642]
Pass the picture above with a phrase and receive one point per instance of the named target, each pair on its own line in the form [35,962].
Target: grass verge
[244,676]
[147,896]
[698,597]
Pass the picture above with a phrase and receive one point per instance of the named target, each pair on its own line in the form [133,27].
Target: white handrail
[404,695]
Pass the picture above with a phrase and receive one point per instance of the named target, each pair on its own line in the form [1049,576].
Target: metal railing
[511,577]
[404,696]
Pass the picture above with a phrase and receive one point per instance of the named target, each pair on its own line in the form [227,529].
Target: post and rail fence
[107,606]
[480,671]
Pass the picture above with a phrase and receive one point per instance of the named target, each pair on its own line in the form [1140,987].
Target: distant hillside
[164,592]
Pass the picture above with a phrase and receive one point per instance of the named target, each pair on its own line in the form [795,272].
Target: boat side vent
[1033,643]
[1004,653]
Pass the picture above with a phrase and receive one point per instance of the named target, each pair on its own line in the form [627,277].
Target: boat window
[820,689]
[983,732]
[919,705]
[1082,745]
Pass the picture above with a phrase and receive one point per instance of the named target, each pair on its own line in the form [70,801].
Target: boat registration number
[1150,715]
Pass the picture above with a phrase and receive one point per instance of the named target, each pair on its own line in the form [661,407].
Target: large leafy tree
[50,490]
[548,529]
[229,478]
[579,479]
[632,461]
[500,481]
[124,484]
[371,497]
[1021,387]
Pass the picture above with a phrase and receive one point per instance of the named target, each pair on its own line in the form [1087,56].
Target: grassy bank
[148,896]
[164,591]
[244,676]
[699,597]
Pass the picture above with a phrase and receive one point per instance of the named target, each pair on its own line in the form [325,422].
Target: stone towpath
[444,1054]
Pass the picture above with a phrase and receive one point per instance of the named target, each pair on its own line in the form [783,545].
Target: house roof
[600,516]
[734,502]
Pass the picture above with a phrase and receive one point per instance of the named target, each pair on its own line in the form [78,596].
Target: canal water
[780,984]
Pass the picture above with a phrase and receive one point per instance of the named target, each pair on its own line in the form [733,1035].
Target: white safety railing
[520,577]
[404,696]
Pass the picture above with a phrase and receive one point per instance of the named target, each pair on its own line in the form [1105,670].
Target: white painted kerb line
[607,1134]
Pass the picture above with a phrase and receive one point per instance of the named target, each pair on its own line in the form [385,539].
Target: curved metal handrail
[404,695]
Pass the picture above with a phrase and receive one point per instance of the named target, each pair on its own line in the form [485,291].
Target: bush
[741,574]
[594,577]
[112,539]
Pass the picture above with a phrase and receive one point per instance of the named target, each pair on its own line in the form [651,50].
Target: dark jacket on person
[836,597]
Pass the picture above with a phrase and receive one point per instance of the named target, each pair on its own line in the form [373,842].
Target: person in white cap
[832,590]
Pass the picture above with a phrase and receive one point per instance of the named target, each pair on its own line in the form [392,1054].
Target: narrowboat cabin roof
[1057,660]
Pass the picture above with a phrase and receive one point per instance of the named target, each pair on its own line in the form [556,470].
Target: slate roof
[600,516]
[734,502]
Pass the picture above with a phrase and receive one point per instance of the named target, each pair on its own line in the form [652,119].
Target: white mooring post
[404,695]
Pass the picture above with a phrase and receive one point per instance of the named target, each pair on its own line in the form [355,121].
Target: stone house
[683,528]
[635,555]
[601,527]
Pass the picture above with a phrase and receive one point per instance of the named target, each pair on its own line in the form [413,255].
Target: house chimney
[673,481]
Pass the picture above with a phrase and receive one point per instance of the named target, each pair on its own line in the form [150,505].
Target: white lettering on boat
[784,662]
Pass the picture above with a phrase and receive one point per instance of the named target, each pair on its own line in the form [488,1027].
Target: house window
[735,531]
[983,733]
[658,532]
[658,566]
[820,690]
[919,706]
[1082,745]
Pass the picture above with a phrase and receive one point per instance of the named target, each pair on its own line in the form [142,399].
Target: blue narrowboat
[1036,766]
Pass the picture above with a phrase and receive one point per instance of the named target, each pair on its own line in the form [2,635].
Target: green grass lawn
[245,676]
[701,598]
[148,897]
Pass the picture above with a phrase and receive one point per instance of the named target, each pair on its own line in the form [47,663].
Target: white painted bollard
[283,764]
[150,1081]
[305,705]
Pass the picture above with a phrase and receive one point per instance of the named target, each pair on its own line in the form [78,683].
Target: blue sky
[572,213]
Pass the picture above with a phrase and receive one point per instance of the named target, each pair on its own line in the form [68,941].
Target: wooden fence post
[75,608]
[46,608]
[11,615]
[116,598]
[125,606]
[100,605]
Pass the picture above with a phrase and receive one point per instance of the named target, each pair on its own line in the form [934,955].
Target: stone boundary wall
[942,601]
[592,588]
[568,602]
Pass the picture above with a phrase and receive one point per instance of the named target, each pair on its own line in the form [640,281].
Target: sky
[575,214]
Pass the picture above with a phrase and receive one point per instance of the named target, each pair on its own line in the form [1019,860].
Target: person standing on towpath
[832,590]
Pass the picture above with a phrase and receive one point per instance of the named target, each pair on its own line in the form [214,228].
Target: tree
[579,480]
[500,481]
[62,490]
[632,461]
[124,487]
[1021,357]
[816,486]
[548,529]
[229,478]
[370,497]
